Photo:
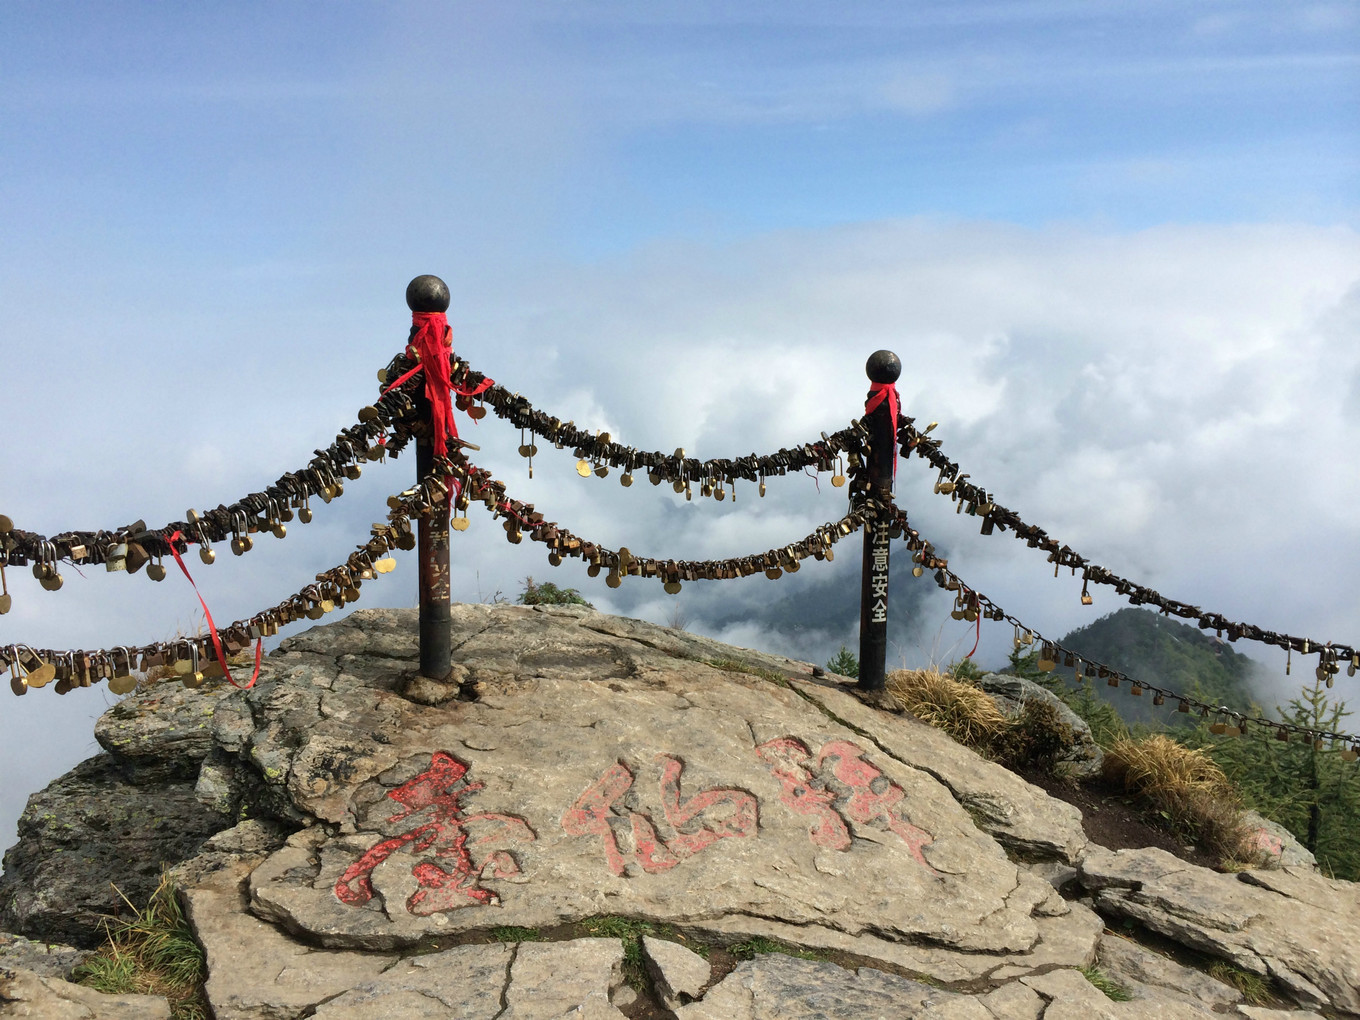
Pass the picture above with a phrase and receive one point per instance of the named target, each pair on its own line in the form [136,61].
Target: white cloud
[918,94]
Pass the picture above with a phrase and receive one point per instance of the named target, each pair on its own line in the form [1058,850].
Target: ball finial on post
[883,367]
[427,294]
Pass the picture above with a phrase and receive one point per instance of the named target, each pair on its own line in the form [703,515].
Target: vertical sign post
[883,367]
[430,294]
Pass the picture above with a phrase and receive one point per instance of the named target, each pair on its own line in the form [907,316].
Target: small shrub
[151,953]
[548,594]
[1037,737]
[965,669]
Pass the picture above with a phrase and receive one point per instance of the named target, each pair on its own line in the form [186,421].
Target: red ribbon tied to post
[878,392]
[433,345]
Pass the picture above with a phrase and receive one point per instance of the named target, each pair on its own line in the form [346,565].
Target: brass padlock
[180,659]
[40,673]
[50,579]
[18,682]
[1048,659]
[191,676]
[137,557]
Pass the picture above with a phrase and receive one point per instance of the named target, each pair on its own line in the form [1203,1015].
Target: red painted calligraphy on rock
[698,822]
[854,791]
[452,880]
[787,758]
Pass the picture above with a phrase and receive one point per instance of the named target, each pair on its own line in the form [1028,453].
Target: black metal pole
[882,367]
[429,294]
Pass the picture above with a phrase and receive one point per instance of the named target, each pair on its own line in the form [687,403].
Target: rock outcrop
[1084,758]
[360,842]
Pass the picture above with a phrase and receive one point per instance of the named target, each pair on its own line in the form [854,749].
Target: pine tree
[1303,784]
[844,663]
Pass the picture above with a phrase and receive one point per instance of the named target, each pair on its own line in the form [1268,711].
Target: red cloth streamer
[212,627]
[877,392]
[432,330]
[429,341]
[977,639]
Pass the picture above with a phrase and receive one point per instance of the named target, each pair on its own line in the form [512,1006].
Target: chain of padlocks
[386,427]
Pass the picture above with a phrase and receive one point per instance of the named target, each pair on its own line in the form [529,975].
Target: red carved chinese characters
[865,794]
[717,813]
[787,758]
[452,881]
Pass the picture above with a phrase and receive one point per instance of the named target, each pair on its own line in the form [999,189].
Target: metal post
[882,367]
[429,294]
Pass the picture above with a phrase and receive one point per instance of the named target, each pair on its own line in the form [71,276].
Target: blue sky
[1116,245]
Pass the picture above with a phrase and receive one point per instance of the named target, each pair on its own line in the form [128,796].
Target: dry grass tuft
[1158,765]
[966,713]
[1187,789]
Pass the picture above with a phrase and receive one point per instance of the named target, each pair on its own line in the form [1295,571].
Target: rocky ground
[598,817]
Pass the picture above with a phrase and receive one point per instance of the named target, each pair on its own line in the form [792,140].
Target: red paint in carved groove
[453,882]
[786,757]
[805,793]
[590,816]
[864,804]
[740,823]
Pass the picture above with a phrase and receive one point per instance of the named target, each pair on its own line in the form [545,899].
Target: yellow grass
[1187,789]
[1157,764]
[966,713]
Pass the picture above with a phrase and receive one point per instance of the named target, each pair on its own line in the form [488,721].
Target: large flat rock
[653,787]
[255,971]
[26,994]
[1293,924]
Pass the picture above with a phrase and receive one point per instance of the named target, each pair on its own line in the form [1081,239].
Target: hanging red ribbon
[977,637]
[877,393]
[212,627]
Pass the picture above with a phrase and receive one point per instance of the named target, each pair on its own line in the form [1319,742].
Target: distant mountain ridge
[1164,652]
